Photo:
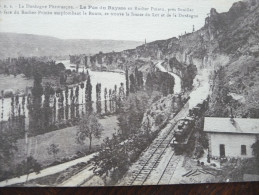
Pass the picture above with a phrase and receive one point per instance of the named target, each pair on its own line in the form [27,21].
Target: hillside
[27,45]
[229,40]
[228,45]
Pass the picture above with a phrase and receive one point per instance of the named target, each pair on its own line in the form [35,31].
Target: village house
[231,137]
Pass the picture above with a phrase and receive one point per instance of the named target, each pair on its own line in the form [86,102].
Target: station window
[222,150]
[243,149]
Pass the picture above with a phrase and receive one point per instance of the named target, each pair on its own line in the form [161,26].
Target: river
[107,79]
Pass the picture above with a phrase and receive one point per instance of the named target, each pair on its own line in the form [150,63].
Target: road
[177,79]
[45,172]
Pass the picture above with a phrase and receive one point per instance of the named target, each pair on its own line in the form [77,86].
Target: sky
[109,27]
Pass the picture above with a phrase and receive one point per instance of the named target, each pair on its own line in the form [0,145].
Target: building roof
[226,125]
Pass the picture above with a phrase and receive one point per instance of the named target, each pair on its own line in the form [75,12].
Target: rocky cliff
[229,40]
[223,36]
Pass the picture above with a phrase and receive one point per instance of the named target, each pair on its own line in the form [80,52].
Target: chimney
[232,117]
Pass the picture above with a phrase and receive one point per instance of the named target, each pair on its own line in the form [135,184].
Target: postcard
[128,92]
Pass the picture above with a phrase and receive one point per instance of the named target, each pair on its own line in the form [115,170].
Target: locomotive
[185,128]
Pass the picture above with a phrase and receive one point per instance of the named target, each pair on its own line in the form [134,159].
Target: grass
[66,141]
[15,83]
[235,171]
[55,179]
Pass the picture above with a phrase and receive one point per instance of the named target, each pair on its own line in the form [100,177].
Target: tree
[66,100]
[53,149]
[77,66]
[72,103]
[7,147]
[36,123]
[60,67]
[149,83]
[88,95]
[83,75]
[98,98]
[62,78]
[105,100]
[127,81]
[48,91]
[98,91]
[132,83]
[77,100]
[28,70]
[140,80]
[121,91]
[23,104]
[28,166]
[113,159]
[147,128]
[37,89]
[110,99]
[77,94]
[115,98]
[255,148]
[61,106]
[88,90]
[136,78]
[89,127]
[121,97]
[132,113]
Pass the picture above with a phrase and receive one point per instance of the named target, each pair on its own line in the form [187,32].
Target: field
[65,139]
[15,83]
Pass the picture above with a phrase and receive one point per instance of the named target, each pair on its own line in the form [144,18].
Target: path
[177,79]
[48,171]
[80,178]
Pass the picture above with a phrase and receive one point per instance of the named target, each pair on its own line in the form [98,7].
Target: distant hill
[15,45]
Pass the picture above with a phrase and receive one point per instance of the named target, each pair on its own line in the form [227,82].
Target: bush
[28,166]
[115,158]
[6,174]
[203,140]
[198,152]
[159,119]
[251,84]
[255,148]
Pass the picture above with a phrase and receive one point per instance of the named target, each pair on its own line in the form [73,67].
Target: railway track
[152,156]
[169,170]
[142,175]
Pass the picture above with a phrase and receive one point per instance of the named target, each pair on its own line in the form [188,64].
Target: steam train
[185,128]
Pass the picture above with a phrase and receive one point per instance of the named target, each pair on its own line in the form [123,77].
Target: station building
[231,137]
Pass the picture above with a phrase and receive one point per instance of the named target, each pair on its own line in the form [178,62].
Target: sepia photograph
[128,92]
